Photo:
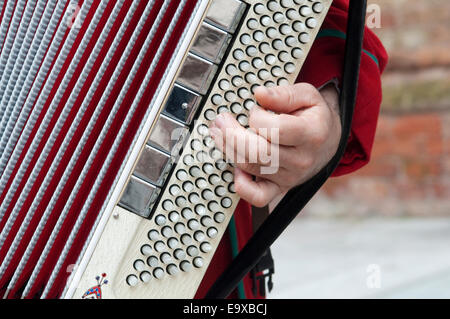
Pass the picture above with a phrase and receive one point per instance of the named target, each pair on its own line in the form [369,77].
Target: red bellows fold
[68,224]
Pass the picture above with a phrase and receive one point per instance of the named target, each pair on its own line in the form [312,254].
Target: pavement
[363,258]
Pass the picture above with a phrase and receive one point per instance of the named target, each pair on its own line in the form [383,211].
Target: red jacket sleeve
[325,63]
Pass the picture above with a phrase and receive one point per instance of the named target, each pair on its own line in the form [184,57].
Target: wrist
[330,94]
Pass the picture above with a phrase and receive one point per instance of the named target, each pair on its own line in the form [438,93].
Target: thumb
[288,99]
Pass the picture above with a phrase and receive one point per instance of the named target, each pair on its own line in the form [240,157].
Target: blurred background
[384,232]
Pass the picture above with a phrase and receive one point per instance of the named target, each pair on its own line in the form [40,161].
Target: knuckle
[276,131]
[291,128]
[305,87]
[290,92]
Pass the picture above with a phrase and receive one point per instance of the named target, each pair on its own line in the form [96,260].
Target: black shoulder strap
[298,197]
[265,268]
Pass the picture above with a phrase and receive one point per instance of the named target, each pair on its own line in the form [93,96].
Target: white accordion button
[180,201]
[139,265]
[152,261]
[153,235]
[186,239]
[206,221]
[317,7]
[304,37]
[299,26]
[187,212]
[166,231]
[259,8]
[174,217]
[193,224]
[145,276]
[158,273]
[273,5]
[200,209]
[212,232]
[286,3]
[160,220]
[167,205]
[205,247]
[199,235]
[172,270]
[192,251]
[219,217]
[132,280]
[213,206]
[179,254]
[305,11]
[198,262]
[172,242]
[297,53]
[185,266]
[166,258]
[160,246]
[226,202]
[174,190]
[180,228]
[146,250]
[252,24]
[311,23]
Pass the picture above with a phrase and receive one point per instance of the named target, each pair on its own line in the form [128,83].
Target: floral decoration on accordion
[95,292]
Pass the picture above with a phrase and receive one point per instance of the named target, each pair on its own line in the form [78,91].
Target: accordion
[111,186]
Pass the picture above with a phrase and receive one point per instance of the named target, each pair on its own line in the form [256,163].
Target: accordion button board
[180,196]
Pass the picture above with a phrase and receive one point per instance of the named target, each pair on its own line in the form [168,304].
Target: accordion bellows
[103,191]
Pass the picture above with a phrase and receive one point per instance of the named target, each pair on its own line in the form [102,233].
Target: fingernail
[253,109]
[219,121]
[214,131]
[262,90]
[270,91]
[267,90]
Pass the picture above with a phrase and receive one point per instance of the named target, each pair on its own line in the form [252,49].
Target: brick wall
[409,173]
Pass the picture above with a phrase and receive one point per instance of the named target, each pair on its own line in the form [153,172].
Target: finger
[264,171]
[287,99]
[283,129]
[258,193]
[239,143]
[258,158]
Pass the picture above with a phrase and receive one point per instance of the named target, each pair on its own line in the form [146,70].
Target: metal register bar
[172,127]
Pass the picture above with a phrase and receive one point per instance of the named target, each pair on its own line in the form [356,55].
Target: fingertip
[263,95]
[225,121]
[260,90]
[240,174]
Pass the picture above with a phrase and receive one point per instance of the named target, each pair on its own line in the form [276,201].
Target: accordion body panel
[110,184]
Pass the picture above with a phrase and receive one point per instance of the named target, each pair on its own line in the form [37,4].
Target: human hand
[298,138]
